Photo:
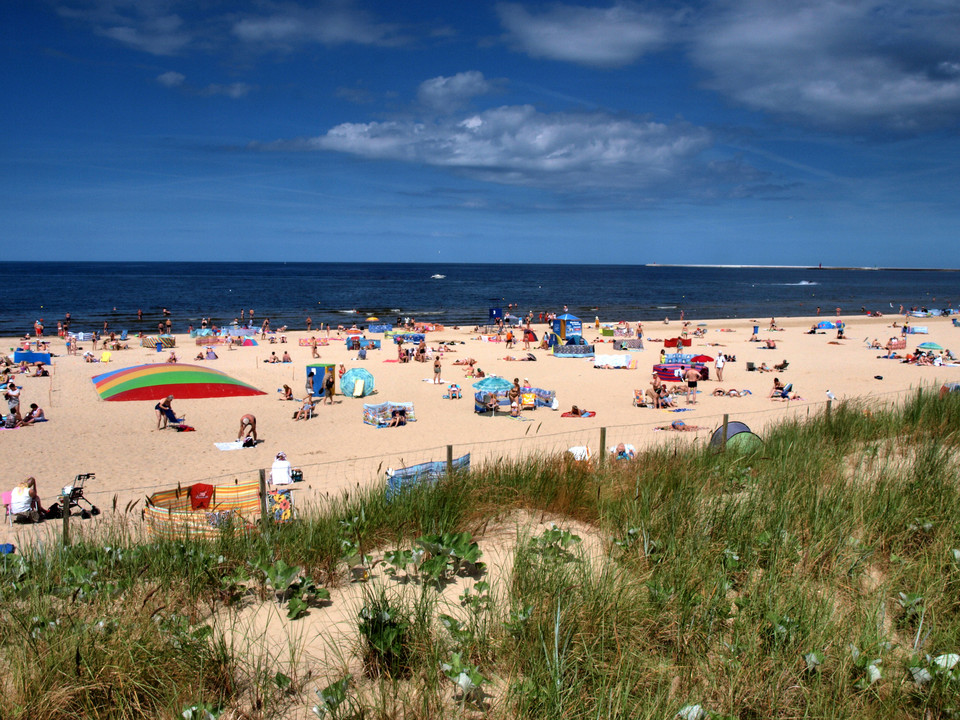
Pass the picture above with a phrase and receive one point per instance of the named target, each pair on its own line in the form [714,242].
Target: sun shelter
[357,382]
[826,325]
[739,437]
[157,380]
[316,376]
[949,387]
[31,357]
[408,477]
[567,325]
[380,414]
[180,513]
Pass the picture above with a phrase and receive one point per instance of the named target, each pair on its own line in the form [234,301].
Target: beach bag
[249,442]
[555,405]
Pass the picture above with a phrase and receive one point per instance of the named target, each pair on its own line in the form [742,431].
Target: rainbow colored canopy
[156,381]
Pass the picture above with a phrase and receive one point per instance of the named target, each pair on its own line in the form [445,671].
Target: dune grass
[819,578]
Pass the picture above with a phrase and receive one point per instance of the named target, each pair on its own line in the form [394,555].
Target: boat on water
[438,276]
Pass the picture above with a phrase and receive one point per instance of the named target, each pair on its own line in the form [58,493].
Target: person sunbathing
[286,393]
[305,410]
[679,426]
[398,417]
[764,368]
[771,344]
[622,453]
[464,361]
[35,415]
[455,392]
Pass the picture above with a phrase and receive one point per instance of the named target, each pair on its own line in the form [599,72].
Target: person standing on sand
[313,346]
[436,371]
[692,377]
[721,361]
[328,385]
[248,428]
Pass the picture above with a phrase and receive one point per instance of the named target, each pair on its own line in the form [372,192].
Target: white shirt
[280,472]
[720,362]
[20,500]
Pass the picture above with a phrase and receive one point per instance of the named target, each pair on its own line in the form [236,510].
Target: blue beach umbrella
[350,378]
[929,346]
[492,384]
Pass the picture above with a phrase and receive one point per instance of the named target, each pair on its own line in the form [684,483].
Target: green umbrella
[929,346]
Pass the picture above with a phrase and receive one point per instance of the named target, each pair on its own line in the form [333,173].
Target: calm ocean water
[341,292]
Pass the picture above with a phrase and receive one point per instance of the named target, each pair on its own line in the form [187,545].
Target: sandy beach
[131,458]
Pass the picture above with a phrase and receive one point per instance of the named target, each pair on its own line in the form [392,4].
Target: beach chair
[639,399]
[105,356]
[528,401]
[781,366]
[72,496]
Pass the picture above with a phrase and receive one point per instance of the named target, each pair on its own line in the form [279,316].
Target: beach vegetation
[818,576]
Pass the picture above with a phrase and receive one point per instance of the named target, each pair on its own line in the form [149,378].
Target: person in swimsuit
[436,371]
[164,410]
[248,427]
[692,377]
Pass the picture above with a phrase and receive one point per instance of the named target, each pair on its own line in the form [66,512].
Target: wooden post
[65,514]
[726,424]
[603,446]
[263,497]
[449,460]
[829,408]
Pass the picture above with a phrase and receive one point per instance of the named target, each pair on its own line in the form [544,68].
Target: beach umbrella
[929,346]
[156,381]
[352,377]
[373,318]
[492,384]
[701,358]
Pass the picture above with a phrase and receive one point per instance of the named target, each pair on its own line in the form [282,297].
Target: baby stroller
[72,495]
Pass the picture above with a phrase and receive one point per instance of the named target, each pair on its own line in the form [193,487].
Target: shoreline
[119,442]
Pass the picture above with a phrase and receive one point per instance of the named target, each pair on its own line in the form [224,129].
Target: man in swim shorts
[248,427]
[692,377]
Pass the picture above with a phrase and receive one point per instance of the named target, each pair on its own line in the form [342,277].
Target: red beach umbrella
[701,358]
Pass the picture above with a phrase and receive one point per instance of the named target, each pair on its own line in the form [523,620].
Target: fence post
[449,460]
[829,408]
[263,497]
[65,514]
[726,424]
[603,445]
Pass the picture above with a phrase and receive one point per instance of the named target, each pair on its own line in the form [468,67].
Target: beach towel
[583,414]
[358,388]
[200,496]
[232,445]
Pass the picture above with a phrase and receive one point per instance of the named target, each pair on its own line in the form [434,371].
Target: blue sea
[341,293]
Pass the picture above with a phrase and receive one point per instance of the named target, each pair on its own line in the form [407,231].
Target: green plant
[385,629]
[335,700]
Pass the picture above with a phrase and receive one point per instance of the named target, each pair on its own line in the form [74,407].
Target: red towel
[200,496]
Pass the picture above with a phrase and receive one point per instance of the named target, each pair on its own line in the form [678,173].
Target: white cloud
[518,145]
[446,94]
[233,90]
[171,79]
[836,63]
[334,23]
[605,37]
[157,35]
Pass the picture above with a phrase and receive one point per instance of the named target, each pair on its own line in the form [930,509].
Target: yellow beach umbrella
[372,319]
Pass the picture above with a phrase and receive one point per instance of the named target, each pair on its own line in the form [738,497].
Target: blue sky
[729,131]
